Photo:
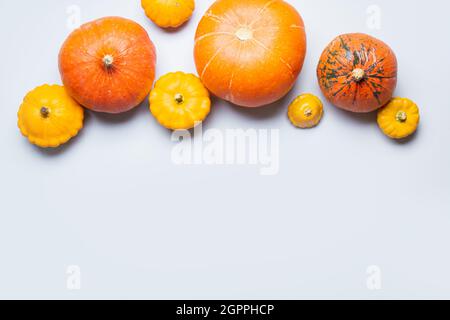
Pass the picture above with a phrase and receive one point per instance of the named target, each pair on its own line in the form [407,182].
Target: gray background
[113,203]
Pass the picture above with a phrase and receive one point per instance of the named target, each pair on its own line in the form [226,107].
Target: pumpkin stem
[179,98]
[358,74]
[401,116]
[108,61]
[45,112]
[244,34]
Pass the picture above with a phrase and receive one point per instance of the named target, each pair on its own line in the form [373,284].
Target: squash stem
[179,98]
[401,116]
[308,112]
[244,34]
[45,112]
[358,74]
[108,61]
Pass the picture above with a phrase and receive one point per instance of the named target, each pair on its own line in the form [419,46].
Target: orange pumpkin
[250,52]
[108,65]
[358,73]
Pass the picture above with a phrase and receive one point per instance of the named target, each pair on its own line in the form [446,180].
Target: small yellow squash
[49,117]
[306,111]
[179,101]
[399,118]
[168,13]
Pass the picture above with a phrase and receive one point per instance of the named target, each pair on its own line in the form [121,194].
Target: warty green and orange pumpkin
[358,73]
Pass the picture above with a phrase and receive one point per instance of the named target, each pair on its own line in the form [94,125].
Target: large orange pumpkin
[250,52]
[108,65]
[358,73]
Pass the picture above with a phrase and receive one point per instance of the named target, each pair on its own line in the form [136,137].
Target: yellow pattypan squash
[179,101]
[168,13]
[306,111]
[49,117]
[399,118]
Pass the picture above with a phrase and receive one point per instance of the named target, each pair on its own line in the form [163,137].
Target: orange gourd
[250,52]
[108,65]
[358,73]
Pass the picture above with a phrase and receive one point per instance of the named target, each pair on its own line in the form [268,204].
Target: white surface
[113,203]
